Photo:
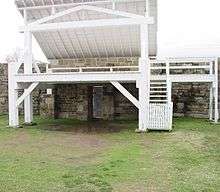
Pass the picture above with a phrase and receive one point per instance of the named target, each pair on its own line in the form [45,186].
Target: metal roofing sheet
[91,42]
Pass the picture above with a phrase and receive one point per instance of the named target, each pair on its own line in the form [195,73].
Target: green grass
[64,155]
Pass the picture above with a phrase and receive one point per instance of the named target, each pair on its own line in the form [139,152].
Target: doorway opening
[95,102]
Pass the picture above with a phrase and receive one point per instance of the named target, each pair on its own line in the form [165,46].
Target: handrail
[168,65]
[178,64]
[83,69]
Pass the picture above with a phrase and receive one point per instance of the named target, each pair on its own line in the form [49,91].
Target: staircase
[158,91]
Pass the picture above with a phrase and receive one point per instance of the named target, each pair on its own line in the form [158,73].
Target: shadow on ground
[95,126]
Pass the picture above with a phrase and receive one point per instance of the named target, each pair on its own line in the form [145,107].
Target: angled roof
[90,42]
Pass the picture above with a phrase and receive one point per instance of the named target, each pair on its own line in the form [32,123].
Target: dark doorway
[97,102]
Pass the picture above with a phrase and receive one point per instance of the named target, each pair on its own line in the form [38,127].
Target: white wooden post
[144,81]
[216,91]
[211,102]
[12,96]
[169,84]
[48,70]
[211,94]
[28,104]
[147,10]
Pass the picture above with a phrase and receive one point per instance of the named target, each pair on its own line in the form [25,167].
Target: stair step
[158,87]
[158,91]
[158,101]
[158,96]
[158,83]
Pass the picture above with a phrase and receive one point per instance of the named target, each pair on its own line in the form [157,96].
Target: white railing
[182,66]
[161,116]
[157,67]
[110,69]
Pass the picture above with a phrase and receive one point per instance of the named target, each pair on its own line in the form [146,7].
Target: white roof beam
[87,45]
[64,46]
[47,45]
[43,3]
[90,8]
[71,42]
[122,48]
[113,48]
[51,50]
[44,6]
[79,44]
[55,45]
[32,1]
[86,23]
[129,33]
[94,39]
[106,52]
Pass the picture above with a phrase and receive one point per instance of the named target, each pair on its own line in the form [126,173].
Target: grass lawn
[73,156]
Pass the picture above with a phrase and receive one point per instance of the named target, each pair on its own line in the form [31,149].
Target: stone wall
[190,99]
[38,95]
[95,62]
[71,101]
[74,100]
[3,88]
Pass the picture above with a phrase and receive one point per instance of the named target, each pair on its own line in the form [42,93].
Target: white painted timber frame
[126,93]
[128,19]
[123,18]
[64,5]
[155,114]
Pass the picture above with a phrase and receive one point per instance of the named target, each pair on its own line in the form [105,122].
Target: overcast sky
[185,28]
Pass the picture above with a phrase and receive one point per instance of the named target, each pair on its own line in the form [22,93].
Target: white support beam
[12,97]
[144,81]
[36,67]
[169,90]
[28,103]
[147,11]
[186,78]
[78,77]
[211,93]
[211,102]
[63,5]
[216,116]
[126,93]
[89,8]
[27,51]
[26,93]
[169,83]
[86,24]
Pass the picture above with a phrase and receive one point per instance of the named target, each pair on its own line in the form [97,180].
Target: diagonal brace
[26,93]
[125,92]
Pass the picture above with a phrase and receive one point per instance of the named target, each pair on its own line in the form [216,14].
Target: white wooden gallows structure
[69,29]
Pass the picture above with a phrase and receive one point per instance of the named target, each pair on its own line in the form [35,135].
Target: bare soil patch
[92,127]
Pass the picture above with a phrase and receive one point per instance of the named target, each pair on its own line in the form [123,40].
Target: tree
[15,56]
